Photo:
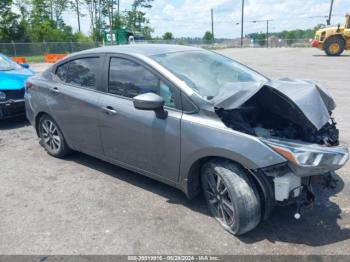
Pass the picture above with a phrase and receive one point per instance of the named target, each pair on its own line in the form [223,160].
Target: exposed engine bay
[285,111]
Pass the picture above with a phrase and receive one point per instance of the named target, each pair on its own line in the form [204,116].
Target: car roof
[141,49]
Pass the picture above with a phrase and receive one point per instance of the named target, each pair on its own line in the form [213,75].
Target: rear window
[79,72]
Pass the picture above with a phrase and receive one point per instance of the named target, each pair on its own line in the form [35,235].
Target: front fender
[202,138]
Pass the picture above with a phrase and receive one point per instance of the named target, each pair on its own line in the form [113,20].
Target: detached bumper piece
[13,104]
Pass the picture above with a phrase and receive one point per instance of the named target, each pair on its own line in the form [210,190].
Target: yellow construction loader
[333,40]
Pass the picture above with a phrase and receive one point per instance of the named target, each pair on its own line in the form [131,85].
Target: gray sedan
[195,120]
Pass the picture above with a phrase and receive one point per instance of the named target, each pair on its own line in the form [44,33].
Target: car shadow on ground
[13,123]
[317,227]
[173,195]
[330,56]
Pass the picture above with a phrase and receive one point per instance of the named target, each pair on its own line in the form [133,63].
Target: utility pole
[51,7]
[242,20]
[112,11]
[110,2]
[267,28]
[118,21]
[118,7]
[78,13]
[330,13]
[212,23]
[267,33]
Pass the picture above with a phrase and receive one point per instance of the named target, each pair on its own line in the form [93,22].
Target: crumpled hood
[313,101]
[14,79]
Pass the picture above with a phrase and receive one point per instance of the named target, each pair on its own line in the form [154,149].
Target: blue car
[13,77]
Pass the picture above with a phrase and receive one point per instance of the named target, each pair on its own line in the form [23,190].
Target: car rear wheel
[51,137]
[334,46]
[231,196]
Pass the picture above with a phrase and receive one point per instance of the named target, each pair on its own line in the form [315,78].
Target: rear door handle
[55,90]
[110,110]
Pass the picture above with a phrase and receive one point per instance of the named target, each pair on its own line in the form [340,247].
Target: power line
[232,21]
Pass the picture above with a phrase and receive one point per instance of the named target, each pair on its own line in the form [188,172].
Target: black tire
[334,41]
[240,194]
[51,137]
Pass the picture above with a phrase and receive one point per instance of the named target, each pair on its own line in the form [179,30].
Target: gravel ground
[81,205]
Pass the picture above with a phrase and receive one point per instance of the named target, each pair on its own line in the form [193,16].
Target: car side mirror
[24,65]
[150,101]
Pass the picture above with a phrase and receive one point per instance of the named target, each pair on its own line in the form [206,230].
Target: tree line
[207,38]
[42,20]
[290,36]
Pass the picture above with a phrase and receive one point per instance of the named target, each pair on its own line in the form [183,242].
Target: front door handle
[55,90]
[110,110]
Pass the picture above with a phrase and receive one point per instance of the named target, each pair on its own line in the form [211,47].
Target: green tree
[289,36]
[8,21]
[56,9]
[136,20]
[208,37]
[168,36]
[147,32]
[97,10]
[23,25]
[76,6]
[42,27]
[46,23]
[260,38]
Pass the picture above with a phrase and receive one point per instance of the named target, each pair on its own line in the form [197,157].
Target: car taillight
[28,85]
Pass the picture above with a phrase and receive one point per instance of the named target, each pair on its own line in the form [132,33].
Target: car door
[139,138]
[74,102]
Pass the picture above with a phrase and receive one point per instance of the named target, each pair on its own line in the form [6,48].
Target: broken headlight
[309,155]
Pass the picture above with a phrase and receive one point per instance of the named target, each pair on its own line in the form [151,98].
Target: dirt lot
[81,205]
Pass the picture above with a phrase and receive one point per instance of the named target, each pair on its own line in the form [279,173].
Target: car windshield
[7,64]
[207,72]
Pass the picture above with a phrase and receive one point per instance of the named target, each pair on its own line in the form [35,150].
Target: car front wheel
[51,137]
[231,196]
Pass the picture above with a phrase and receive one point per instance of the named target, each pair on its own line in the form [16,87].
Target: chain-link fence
[39,49]
[236,43]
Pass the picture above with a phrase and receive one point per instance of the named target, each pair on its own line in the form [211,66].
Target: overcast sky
[192,17]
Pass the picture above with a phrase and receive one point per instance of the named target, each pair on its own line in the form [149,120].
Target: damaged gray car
[195,120]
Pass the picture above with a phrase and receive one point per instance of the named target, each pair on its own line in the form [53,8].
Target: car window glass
[7,64]
[187,105]
[80,72]
[129,79]
[167,94]
[62,71]
[207,72]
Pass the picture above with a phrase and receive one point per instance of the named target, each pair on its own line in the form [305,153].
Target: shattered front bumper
[11,108]
[291,180]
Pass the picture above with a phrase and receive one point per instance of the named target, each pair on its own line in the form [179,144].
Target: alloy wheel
[50,136]
[219,199]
